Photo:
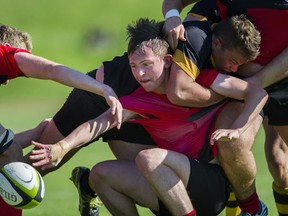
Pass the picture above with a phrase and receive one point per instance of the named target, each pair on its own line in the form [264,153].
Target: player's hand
[47,155]
[116,107]
[224,135]
[174,30]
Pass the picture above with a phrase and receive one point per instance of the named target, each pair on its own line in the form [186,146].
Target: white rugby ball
[21,185]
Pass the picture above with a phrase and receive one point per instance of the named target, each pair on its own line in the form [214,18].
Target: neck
[162,87]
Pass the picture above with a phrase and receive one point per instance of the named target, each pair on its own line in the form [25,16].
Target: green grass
[59,30]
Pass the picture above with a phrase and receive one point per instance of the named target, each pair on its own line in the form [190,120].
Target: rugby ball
[21,185]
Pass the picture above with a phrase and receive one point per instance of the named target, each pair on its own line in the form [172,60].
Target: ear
[215,42]
[168,59]
[6,44]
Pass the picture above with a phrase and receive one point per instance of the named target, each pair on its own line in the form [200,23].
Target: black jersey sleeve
[194,53]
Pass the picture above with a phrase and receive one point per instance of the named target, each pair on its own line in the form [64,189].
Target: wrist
[106,90]
[172,13]
[64,147]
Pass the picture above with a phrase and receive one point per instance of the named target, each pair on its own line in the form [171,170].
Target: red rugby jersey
[182,129]
[8,67]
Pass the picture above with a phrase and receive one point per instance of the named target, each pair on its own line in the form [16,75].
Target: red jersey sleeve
[8,67]
[207,77]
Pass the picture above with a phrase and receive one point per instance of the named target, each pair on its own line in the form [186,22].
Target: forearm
[49,155]
[24,138]
[76,79]
[88,131]
[182,90]
[41,68]
[253,104]
[273,72]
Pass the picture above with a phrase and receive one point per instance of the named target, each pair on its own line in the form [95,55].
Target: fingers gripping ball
[21,186]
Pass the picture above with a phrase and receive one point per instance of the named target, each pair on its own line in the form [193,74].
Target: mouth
[143,81]
[227,70]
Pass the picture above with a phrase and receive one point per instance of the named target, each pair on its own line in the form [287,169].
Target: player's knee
[146,161]
[98,175]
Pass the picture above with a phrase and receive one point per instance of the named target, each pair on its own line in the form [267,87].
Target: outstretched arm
[49,155]
[254,98]
[11,145]
[41,68]
[24,138]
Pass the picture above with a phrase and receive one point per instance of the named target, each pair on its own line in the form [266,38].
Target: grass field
[65,31]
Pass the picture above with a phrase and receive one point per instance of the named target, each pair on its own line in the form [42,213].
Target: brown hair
[238,32]
[145,32]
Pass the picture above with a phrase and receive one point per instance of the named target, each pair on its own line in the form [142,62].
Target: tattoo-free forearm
[89,130]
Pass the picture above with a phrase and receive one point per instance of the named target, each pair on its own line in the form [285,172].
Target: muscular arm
[92,129]
[11,146]
[49,155]
[254,98]
[274,71]
[24,138]
[41,68]
[182,90]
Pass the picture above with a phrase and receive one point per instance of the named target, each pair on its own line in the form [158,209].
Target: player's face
[148,69]
[228,60]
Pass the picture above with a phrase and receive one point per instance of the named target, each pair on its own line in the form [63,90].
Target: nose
[140,72]
[234,68]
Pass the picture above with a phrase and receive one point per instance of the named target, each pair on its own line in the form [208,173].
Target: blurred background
[79,34]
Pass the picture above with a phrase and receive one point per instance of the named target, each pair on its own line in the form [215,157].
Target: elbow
[261,92]
[51,72]
[264,94]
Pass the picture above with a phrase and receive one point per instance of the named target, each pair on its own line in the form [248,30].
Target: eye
[132,66]
[147,64]
[233,62]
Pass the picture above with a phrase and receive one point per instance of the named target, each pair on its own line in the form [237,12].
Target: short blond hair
[15,37]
